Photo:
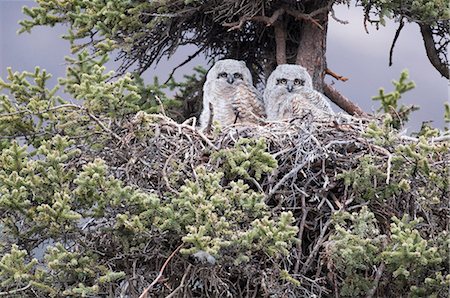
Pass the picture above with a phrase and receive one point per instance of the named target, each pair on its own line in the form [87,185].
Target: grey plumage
[229,96]
[289,93]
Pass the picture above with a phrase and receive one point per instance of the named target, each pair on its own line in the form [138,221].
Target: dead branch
[342,102]
[183,280]
[12,292]
[335,75]
[430,48]
[189,59]
[161,271]
[397,34]
[378,275]
[308,16]
[315,250]
[269,21]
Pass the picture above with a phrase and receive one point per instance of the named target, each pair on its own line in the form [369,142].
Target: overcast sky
[351,52]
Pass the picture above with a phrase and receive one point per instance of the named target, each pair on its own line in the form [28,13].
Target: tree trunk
[312,50]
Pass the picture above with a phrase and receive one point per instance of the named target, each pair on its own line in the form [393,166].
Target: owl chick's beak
[289,86]
[230,79]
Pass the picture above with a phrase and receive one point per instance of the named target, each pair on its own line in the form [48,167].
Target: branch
[335,75]
[377,280]
[397,34]
[430,48]
[342,102]
[181,286]
[189,59]
[12,292]
[309,16]
[269,21]
[161,271]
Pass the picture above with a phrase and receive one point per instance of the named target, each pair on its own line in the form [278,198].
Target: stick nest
[158,155]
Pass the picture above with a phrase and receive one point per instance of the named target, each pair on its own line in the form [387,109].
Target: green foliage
[249,158]
[354,247]
[87,81]
[42,190]
[232,217]
[410,257]
[389,101]
[408,164]
[408,253]
[428,12]
[416,264]
[28,95]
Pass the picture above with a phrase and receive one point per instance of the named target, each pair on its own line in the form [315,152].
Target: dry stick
[376,281]
[188,127]
[291,173]
[300,234]
[343,102]
[181,283]
[161,271]
[335,75]
[313,253]
[16,291]
[388,169]
[163,111]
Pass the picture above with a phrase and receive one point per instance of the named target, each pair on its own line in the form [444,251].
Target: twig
[308,16]
[291,173]
[161,271]
[101,124]
[314,251]
[378,275]
[333,15]
[388,169]
[189,59]
[343,102]
[269,21]
[16,290]
[188,127]
[335,75]
[181,286]
[163,111]
[300,234]
[397,34]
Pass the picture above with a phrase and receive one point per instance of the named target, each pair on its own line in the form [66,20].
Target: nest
[157,154]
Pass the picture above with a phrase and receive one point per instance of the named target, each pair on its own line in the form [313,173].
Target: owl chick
[229,96]
[289,93]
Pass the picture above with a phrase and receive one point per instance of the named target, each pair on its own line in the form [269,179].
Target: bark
[312,49]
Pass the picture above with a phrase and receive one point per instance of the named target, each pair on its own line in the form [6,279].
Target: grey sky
[350,52]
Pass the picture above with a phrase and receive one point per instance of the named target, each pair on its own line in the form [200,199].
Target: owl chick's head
[229,72]
[289,77]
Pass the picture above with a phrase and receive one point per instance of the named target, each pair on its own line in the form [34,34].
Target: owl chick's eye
[299,82]
[222,75]
[238,76]
[282,81]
